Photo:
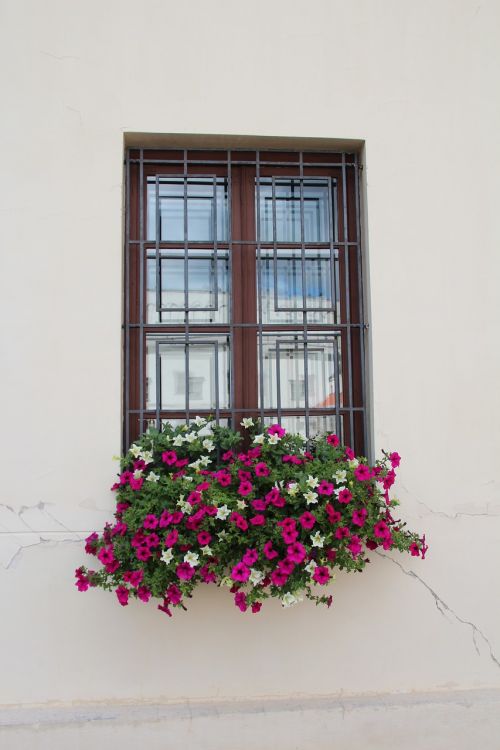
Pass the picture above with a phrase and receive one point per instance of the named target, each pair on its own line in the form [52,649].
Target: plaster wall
[417,83]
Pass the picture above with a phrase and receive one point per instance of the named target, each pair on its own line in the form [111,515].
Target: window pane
[288,213]
[208,358]
[203,212]
[283,294]
[284,360]
[318,424]
[208,287]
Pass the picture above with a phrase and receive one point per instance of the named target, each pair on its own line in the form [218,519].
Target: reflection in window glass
[288,213]
[318,424]
[203,212]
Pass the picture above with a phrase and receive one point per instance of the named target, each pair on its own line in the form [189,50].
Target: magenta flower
[143,552]
[165,608]
[381,530]
[136,484]
[325,488]
[296,552]
[91,543]
[144,594]
[169,457]
[389,479]
[354,545]
[165,519]
[256,607]
[177,517]
[240,572]
[122,595]
[134,577]
[106,555]
[259,504]
[204,538]
[207,575]
[333,515]
[332,440]
[245,488]
[240,600]
[150,522]
[362,473]
[174,594]
[345,496]
[238,519]
[342,532]
[223,477]
[289,535]
[359,516]
[269,552]
[228,456]
[349,453]
[250,557]
[278,577]
[258,520]
[307,520]
[414,549]
[286,566]
[321,575]
[395,460]
[171,538]
[276,429]
[152,540]
[261,469]
[185,571]
[289,458]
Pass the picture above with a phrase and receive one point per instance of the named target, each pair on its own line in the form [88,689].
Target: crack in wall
[444,608]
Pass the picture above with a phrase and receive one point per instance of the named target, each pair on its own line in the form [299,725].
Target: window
[243,290]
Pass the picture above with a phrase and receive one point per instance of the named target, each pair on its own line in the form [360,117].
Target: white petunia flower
[205,460]
[226,582]
[135,450]
[152,477]
[199,421]
[241,504]
[167,556]
[195,465]
[353,463]
[209,445]
[247,422]
[178,441]
[188,479]
[206,431]
[256,576]
[138,474]
[222,534]
[288,600]
[337,490]
[310,567]
[317,540]
[312,481]
[259,439]
[340,475]
[292,489]
[274,439]
[223,512]
[311,497]
[207,551]
[190,437]
[192,558]
[146,456]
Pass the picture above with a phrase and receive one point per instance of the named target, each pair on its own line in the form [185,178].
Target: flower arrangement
[270,520]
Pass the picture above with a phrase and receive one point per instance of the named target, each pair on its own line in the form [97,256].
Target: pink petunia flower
[296,552]
[359,516]
[150,522]
[152,540]
[321,575]
[256,607]
[169,457]
[143,552]
[204,538]
[91,543]
[381,530]
[333,440]
[106,555]
[349,453]
[134,577]
[269,552]
[345,496]
[414,549]
[238,519]
[261,469]
[240,572]
[174,594]
[136,484]
[286,566]
[171,538]
[165,519]
[342,532]
[325,488]
[164,607]
[250,557]
[276,429]
[362,473]
[144,594]
[354,545]
[122,595]
[185,571]
[240,600]
[223,477]
[395,460]
[278,577]
[389,479]
[258,520]
[333,515]
[259,504]
[245,488]
[228,456]
[207,575]
[307,520]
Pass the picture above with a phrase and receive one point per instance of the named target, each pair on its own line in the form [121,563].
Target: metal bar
[304,314]
[157,246]
[333,258]
[366,441]
[158,395]
[230,282]
[259,287]
[223,245]
[126,372]
[266,326]
[215,259]
[275,241]
[216,378]
[348,299]
[336,369]
[248,163]
[141,293]
[186,291]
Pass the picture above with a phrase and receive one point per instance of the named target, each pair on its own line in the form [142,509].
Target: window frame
[244,169]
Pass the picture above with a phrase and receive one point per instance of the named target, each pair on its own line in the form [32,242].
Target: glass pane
[176,422]
[208,365]
[203,212]
[205,276]
[283,300]
[288,213]
[318,424]
[283,362]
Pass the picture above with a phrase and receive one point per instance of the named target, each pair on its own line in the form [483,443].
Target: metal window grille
[243,290]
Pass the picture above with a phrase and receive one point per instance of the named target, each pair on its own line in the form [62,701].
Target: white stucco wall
[418,82]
